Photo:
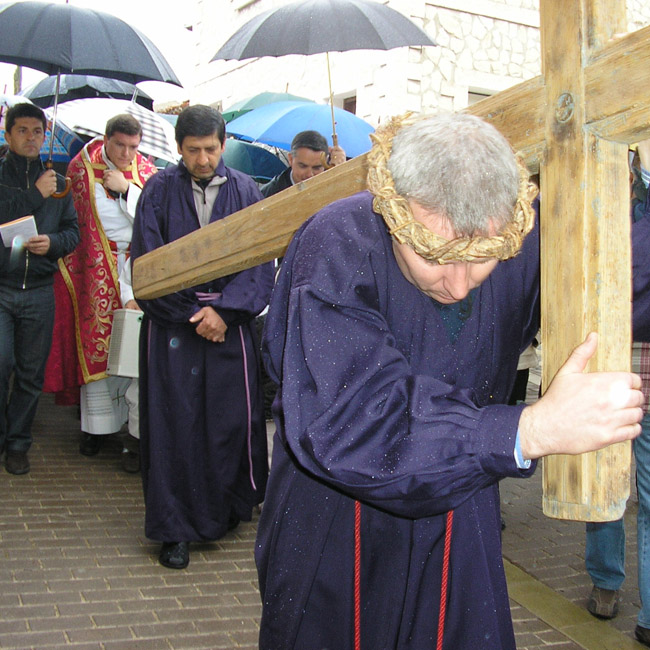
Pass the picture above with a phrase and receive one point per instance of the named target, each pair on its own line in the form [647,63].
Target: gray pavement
[77,572]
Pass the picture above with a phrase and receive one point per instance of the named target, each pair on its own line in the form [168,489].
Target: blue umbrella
[255,161]
[261,99]
[276,125]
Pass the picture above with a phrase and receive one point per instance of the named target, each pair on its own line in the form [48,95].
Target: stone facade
[484,46]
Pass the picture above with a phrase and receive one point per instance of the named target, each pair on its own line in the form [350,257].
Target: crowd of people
[395,325]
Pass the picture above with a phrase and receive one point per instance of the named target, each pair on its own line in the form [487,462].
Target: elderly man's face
[305,163]
[201,155]
[121,149]
[445,283]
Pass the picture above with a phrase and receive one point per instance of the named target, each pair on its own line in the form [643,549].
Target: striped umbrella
[89,116]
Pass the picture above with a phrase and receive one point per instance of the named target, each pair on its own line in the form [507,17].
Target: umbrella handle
[324,160]
[68,183]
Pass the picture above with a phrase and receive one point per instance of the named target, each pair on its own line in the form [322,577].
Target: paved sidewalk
[77,572]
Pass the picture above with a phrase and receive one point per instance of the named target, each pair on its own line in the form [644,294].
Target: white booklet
[23,228]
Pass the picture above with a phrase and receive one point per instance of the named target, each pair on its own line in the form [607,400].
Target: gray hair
[459,167]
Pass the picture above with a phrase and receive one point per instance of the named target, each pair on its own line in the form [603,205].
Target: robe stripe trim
[357,575]
[445,580]
[248,409]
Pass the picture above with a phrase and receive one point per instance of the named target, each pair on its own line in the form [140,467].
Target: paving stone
[79,573]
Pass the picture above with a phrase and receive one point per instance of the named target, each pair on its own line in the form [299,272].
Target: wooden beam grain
[257,234]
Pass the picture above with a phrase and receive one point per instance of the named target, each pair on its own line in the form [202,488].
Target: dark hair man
[203,432]
[26,276]
[309,150]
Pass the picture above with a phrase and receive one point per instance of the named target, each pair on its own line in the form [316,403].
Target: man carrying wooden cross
[394,334]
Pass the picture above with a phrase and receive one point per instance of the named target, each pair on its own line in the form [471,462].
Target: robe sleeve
[354,413]
[245,295]
[149,228]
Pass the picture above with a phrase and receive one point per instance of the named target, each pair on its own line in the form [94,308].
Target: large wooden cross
[574,124]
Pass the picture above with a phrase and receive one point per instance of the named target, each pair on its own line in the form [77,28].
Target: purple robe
[392,400]
[203,432]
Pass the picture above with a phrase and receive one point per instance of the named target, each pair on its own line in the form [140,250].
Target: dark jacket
[54,217]
[277,184]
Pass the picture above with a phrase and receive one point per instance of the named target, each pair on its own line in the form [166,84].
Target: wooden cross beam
[574,123]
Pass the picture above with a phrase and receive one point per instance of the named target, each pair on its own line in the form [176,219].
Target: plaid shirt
[641,365]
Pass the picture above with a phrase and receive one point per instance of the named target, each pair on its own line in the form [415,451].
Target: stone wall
[484,46]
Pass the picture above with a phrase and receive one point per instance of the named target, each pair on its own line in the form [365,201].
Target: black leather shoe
[175,555]
[90,444]
[16,462]
[642,634]
[130,461]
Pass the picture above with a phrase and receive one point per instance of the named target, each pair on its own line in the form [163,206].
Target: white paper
[23,228]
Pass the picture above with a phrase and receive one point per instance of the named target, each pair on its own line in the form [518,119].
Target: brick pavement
[77,572]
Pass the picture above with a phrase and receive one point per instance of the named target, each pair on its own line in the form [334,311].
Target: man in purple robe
[203,432]
[394,333]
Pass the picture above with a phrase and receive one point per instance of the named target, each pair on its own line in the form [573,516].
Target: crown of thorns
[403,228]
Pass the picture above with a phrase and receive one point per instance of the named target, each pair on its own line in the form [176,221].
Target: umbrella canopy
[313,26]
[7,101]
[80,86]
[89,116]
[60,152]
[56,38]
[253,160]
[277,124]
[66,142]
[261,99]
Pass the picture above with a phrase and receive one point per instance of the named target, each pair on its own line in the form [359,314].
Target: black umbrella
[313,26]
[63,38]
[57,38]
[82,86]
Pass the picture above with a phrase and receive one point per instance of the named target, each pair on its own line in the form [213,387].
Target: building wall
[484,46]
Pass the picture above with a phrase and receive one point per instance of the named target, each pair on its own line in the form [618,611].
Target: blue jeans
[26,321]
[605,545]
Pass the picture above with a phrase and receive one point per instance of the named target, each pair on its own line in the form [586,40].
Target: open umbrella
[261,99]
[66,143]
[64,38]
[56,38]
[252,159]
[313,26]
[89,116]
[59,152]
[80,86]
[7,101]
[276,125]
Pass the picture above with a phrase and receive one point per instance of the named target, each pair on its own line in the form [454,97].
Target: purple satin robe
[378,403]
[203,432]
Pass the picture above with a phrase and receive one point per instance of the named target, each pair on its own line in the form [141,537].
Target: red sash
[87,288]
